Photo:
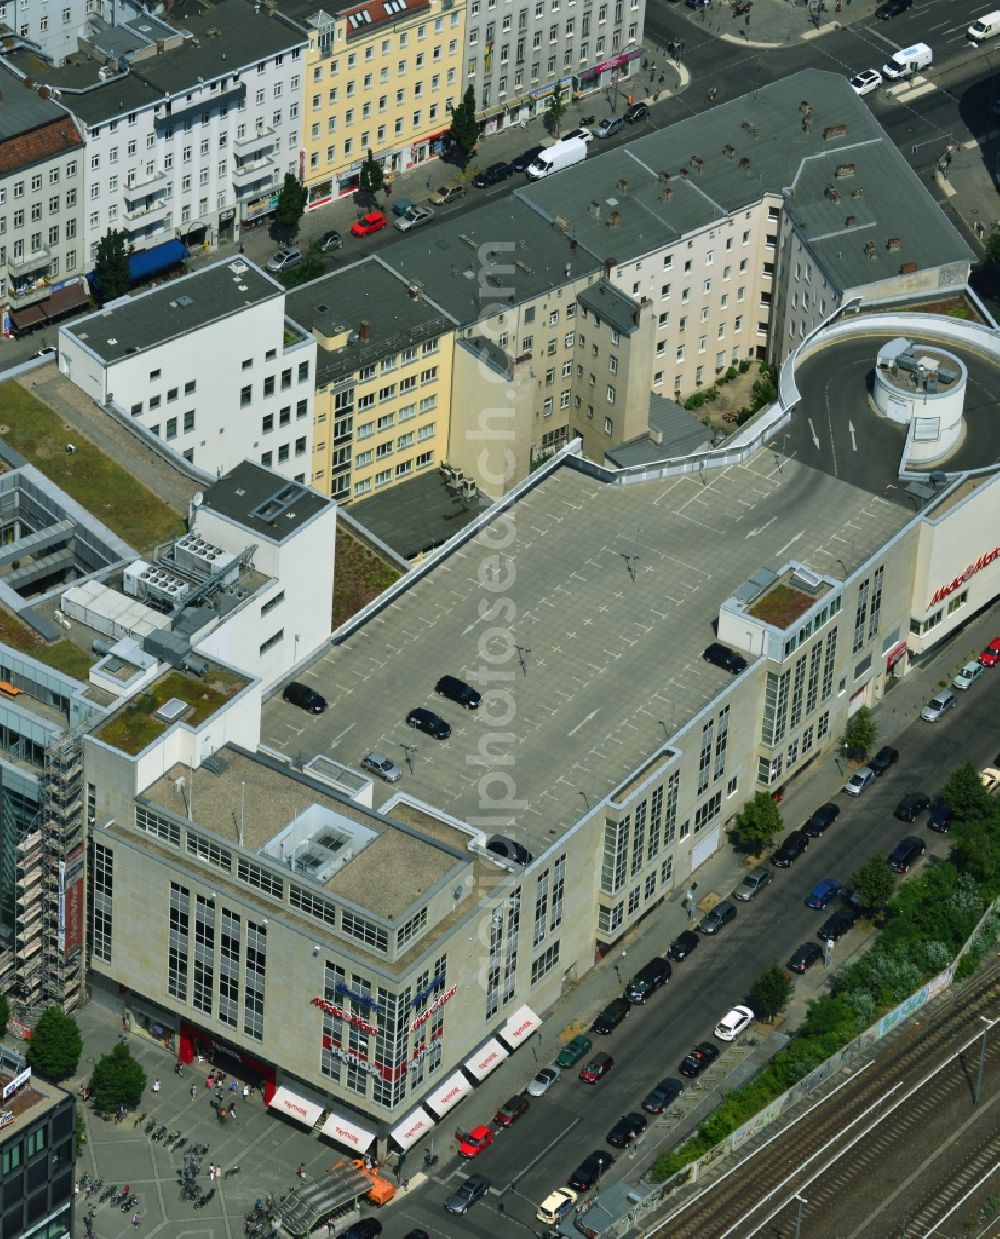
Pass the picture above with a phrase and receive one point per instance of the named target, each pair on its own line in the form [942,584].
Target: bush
[712,393]
[744,365]
[695,401]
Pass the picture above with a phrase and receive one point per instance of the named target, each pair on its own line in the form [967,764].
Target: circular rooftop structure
[922,387]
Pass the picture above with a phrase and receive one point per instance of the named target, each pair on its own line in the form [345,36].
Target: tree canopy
[769,994]
[371,177]
[758,822]
[111,278]
[463,133]
[964,793]
[860,734]
[291,204]
[555,111]
[56,1045]
[118,1079]
[875,882]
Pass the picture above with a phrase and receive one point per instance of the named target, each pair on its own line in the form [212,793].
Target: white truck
[985,27]
[908,61]
[559,155]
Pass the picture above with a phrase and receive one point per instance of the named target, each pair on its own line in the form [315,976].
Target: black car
[905,853]
[304,697]
[332,240]
[839,923]
[804,957]
[720,655]
[792,847]
[658,1098]
[467,1193]
[365,1228]
[492,175]
[892,8]
[883,759]
[636,112]
[911,805]
[702,1056]
[824,817]
[429,723]
[717,918]
[457,690]
[683,945]
[941,816]
[585,1176]
[509,849]
[520,164]
[648,980]
[628,1127]
[611,1016]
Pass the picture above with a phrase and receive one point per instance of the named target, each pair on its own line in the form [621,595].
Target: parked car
[911,805]
[573,1051]
[493,175]
[373,222]
[583,133]
[859,780]
[991,655]
[609,126]
[520,164]
[790,849]
[509,849]
[969,674]
[892,8]
[720,655]
[413,217]
[332,240]
[628,1127]
[597,1068]
[585,1176]
[513,1108]
[468,1192]
[381,767]
[683,945]
[804,957]
[636,112]
[990,779]
[612,1015]
[363,1228]
[938,705]
[906,853]
[702,1056]
[429,723]
[697,4]
[733,1023]
[941,816]
[883,759]
[752,884]
[556,1206]
[287,256]
[838,923]
[304,697]
[821,820]
[472,1143]
[866,81]
[648,980]
[543,1081]
[660,1097]
[446,194]
[823,894]
[457,690]
[717,918]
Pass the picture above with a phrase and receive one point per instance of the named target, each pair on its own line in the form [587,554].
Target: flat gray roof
[619,206]
[611,305]
[367,292]
[678,431]
[417,515]
[451,264]
[23,109]
[605,657]
[265,502]
[148,319]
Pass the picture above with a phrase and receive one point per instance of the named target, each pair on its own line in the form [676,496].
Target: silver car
[608,127]
[382,767]
[413,217]
[290,256]
[468,1192]
[752,884]
[938,705]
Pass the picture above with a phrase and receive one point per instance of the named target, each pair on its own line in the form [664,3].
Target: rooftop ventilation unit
[805,579]
[172,710]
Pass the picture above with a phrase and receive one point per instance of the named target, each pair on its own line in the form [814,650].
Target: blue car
[823,893]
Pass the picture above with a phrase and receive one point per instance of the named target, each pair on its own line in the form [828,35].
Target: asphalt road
[539,1153]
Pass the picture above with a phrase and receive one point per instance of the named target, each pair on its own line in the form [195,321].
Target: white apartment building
[53,27]
[245,391]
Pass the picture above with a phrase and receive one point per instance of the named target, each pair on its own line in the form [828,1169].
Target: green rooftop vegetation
[135,725]
[66,657]
[781,605]
[359,575]
[94,480]
[17,634]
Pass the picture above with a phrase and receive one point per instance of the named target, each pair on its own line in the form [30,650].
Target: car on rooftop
[823,894]
[429,723]
[382,767]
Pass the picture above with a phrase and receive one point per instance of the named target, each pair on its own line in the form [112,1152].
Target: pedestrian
[661,79]
[500,1207]
[218,1172]
[210,1082]
[301,1172]
[329,1225]
[232,1111]
[222,1113]
[233,1086]
[156,1086]
[246,1091]
[194,1090]
[242,248]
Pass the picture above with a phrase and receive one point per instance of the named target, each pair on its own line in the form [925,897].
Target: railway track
[737,1198]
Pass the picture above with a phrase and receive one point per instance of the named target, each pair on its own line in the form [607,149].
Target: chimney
[908,268]
[609,266]
[851,221]
[412,290]
[697,163]
[365,331]
[893,243]
[729,151]
[745,166]
[623,186]
[614,219]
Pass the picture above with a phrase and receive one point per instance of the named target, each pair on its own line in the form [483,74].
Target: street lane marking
[512,1186]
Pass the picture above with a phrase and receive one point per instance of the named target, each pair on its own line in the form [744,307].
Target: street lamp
[798,1216]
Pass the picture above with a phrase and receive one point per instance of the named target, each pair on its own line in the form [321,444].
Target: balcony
[146,186]
[143,212]
[253,174]
[263,142]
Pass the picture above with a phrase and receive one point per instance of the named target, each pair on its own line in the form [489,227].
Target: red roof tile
[36,145]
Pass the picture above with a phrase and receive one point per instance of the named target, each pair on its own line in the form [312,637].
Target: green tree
[111,277]
[118,1079]
[860,734]
[875,882]
[371,177]
[4,1014]
[758,822]
[769,994]
[291,204]
[56,1045]
[976,852]
[555,111]
[463,132]
[964,793]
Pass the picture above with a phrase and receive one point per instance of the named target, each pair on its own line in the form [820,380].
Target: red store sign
[341,1014]
[982,562]
[424,1016]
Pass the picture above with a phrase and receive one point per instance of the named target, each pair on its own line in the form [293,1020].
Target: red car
[472,1143]
[597,1068]
[374,221]
[991,655]
[511,1111]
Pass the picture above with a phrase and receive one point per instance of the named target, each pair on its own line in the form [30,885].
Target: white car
[413,217]
[859,780]
[969,674]
[542,1082]
[733,1023]
[290,256]
[990,779]
[582,132]
[556,1206]
[866,81]
[938,705]
[381,766]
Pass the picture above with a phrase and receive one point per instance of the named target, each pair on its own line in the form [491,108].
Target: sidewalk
[776,23]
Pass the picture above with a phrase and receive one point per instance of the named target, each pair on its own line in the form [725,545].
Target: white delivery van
[908,61]
[985,27]
[559,155]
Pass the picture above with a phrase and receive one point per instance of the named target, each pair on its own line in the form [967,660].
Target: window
[245,396]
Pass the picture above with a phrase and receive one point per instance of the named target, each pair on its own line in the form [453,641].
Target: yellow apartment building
[382,406]
[380,76]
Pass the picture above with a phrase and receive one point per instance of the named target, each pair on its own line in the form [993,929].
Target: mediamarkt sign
[983,561]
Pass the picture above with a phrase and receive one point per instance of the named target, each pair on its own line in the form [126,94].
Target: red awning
[28,317]
[63,300]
